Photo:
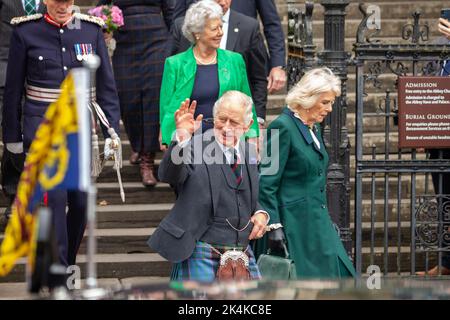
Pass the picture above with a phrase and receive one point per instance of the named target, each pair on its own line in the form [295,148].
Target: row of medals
[83,54]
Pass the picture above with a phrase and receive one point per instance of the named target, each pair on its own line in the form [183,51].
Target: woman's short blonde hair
[197,15]
[313,83]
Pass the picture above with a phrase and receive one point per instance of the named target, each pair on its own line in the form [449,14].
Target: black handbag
[273,267]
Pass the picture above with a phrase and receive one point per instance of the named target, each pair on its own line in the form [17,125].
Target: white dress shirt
[225,20]
[228,151]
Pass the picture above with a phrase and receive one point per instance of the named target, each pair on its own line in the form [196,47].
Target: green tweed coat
[295,196]
[178,83]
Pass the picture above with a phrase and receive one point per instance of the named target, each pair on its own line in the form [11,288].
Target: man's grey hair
[314,83]
[236,98]
[197,15]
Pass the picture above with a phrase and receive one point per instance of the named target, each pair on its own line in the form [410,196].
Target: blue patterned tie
[30,7]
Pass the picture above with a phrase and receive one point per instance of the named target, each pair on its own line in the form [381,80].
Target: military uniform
[12,165]
[42,52]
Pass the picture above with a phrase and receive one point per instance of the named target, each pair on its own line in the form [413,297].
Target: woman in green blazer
[293,181]
[203,72]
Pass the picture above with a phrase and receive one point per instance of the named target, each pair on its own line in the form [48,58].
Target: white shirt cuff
[265,212]
[181,144]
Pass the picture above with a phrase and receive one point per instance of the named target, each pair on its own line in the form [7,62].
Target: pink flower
[95,11]
[112,15]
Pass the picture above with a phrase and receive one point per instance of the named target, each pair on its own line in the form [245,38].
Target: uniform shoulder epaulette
[19,20]
[88,18]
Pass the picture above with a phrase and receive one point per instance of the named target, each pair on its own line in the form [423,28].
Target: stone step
[397,11]
[395,210]
[124,241]
[388,9]
[372,124]
[121,266]
[369,139]
[134,240]
[130,173]
[402,265]
[19,290]
[389,27]
[149,215]
[386,78]
[108,186]
[108,193]
[110,266]
[374,103]
[135,192]
[380,188]
[144,215]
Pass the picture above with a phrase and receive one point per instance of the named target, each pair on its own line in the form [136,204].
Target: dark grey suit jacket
[245,38]
[8,10]
[198,187]
[268,13]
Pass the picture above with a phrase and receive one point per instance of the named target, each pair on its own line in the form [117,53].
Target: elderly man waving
[216,213]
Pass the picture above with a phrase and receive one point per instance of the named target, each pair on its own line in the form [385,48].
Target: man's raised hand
[185,123]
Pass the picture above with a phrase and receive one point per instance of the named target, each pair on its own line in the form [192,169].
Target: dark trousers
[434,154]
[2,90]
[69,227]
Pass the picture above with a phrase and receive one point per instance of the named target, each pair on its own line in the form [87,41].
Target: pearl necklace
[203,62]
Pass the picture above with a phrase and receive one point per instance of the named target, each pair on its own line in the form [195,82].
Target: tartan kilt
[202,265]
[143,44]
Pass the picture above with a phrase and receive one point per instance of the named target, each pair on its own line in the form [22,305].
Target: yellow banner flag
[45,168]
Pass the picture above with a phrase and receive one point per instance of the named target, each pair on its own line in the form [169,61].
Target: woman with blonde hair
[295,194]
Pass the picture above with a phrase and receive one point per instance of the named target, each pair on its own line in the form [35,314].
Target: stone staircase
[123,229]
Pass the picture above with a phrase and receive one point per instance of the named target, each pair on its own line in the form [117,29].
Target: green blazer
[178,82]
[293,191]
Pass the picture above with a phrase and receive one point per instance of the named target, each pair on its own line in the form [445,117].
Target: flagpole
[92,63]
